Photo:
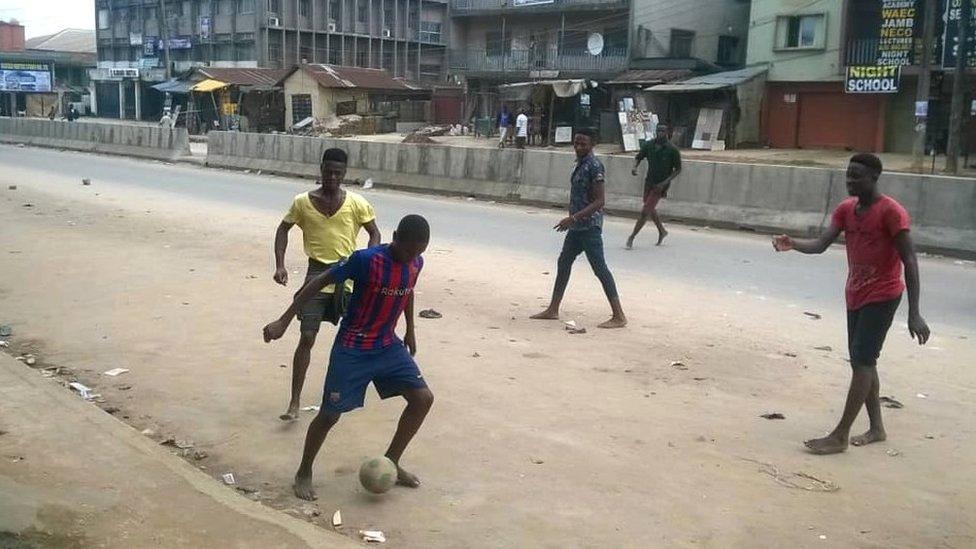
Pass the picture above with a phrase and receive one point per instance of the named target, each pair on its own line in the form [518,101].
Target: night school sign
[872,79]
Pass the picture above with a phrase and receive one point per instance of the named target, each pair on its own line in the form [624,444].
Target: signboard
[206,24]
[123,73]
[564,134]
[532,2]
[950,38]
[25,77]
[872,79]
[149,47]
[135,38]
[176,44]
[897,34]
[707,130]
[148,63]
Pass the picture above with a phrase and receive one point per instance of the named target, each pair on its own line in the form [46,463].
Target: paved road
[736,261]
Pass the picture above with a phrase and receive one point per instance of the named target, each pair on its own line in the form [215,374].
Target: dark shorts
[520,142]
[866,331]
[391,370]
[323,307]
[652,195]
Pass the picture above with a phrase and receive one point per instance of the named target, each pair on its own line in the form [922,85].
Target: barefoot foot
[408,479]
[303,487]
[826,445]
[661,236]
[869,437]
[291,414]
[630,244]
[548,314]
[615,322]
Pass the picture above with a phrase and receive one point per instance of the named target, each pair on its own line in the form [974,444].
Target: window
[174,9]
[305,54]
[497,45]
[615,41]
[430,32]
[362,59]
[274,52]
[245,6]
[103,19]
[149,13]
[681,42]
[800,31]
[388,17]
[274,6]
[204,7]
[361,11]
[301,107]
[728,51]
[244,52]
[334,58]
[334,9]
[304,8]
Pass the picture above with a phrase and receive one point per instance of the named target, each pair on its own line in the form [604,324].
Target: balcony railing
[528,60]
[465,7]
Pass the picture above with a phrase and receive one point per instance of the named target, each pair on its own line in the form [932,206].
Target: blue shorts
[391,370]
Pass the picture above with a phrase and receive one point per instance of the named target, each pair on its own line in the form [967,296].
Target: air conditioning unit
[386,33]
[274,22]
[331,27]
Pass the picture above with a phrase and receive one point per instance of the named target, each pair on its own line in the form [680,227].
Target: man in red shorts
[663,165]
[878,245]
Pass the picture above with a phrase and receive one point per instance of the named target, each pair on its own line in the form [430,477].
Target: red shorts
[652,195]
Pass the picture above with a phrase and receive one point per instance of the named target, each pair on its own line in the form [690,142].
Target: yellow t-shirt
[330,239]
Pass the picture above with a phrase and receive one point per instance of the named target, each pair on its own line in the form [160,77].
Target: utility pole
[958,90]
[924,83]
[164,30]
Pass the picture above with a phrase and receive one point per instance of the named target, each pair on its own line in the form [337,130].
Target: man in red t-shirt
[876,228]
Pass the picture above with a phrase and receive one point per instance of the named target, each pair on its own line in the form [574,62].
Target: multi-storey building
[406,37]
[496,42]
[808,47]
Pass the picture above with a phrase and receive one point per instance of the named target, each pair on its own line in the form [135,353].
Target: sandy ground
[538,438]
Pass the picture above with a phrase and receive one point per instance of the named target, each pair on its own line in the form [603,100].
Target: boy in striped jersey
[366,348]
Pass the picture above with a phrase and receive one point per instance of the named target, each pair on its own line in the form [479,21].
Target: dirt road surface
[538,438]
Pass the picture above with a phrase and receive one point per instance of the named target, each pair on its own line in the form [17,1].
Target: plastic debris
[922,395]
[116,371]
[4,344]
[827,348]
[892,452]
[774,415]
[679,365]
[85,392]
[430,313]
[337,519]
[310,409]
[311,511]
[374,536]
[368,184]
[229,479]
[814,316]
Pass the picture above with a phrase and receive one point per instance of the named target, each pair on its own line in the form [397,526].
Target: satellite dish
[594,44]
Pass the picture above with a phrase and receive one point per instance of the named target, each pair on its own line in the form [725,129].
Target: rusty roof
[651,76]
[333,76]
[245,77]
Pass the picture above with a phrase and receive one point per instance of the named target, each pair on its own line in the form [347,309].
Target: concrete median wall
[762,197]
[130,140]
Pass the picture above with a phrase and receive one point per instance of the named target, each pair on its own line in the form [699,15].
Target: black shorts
[866,331]
[327,307]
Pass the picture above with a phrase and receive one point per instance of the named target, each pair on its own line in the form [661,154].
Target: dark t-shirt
[663,159]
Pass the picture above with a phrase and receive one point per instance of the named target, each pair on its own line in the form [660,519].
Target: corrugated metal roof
[651,76]
[715,81]
[70,40]
[332,76]
[245,77]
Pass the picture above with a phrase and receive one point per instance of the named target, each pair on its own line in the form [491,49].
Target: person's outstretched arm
[784,243]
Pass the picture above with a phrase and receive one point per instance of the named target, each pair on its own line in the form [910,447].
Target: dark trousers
[590,242]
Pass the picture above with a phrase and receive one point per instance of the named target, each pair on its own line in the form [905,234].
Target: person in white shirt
[166,121]
[521,129]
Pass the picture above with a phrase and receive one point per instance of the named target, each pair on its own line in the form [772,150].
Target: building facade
[496,42]
[808,48]
[406,37]
[714,32]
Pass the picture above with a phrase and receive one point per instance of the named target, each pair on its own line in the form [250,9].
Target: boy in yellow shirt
[330,218]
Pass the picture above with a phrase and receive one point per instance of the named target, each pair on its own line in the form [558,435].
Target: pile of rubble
[336,126]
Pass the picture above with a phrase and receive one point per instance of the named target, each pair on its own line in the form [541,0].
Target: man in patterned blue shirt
[584,230]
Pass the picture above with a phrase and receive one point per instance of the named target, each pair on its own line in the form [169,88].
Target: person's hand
[281,276]
[918,328]
[782,243]
[633,172]
[410,340]
[274,330]
[565,224]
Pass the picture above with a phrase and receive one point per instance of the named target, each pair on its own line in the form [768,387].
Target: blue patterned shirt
[589,171]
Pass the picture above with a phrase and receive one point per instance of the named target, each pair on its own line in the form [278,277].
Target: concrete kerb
[139,141]
[754,197]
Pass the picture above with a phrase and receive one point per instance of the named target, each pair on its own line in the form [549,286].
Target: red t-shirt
[874,263]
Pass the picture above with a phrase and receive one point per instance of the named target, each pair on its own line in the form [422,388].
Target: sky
[42,17]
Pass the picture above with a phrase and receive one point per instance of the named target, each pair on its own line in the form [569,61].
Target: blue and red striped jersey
[381,289]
